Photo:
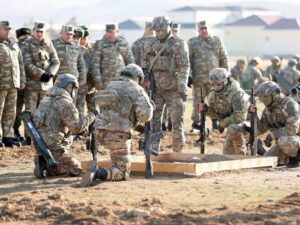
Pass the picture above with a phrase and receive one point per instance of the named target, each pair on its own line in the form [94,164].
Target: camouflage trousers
[67,165]
[166,116]
[33,98]
[196,99]
[176,106]
[235,140]
[8,101]
[81,99]
[20,104]
[119,145]
[286,146]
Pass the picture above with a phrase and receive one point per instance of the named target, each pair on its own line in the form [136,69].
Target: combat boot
[293,162]
[195,126]
[92,174]
[1,144]
[19,136]
[40,168]
[10,142]
[28,141]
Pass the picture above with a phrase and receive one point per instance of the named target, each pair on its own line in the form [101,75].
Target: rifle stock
[252,144]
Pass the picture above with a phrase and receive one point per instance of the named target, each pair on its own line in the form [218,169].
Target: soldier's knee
[289,145]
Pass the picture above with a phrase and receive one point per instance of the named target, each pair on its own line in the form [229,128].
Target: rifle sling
[157,55]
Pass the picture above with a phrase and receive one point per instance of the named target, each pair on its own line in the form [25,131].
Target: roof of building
[283,23]
[254,20]
[216,8]
[129,25]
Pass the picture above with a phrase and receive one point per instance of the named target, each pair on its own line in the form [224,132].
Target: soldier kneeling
[123,104]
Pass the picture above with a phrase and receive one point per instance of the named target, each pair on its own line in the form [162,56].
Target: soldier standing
[281,118]
[12,78]
[238,70]
[123,104]
[22,35]
[206,53]
[138,45]
[228,103]
[110,55]
[57,119]
[273,70]
[175,27]
[253,76]
[166,57]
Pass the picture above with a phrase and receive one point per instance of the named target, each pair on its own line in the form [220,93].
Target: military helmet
[133,70]
[161,23]
[256,60]
[275,59]
[218,76]
[64,79]
[268,88]
[292,62]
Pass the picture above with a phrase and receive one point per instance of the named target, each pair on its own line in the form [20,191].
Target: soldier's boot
[28,141]
[40,168]
[10,142]
[94,172]
[163,126]
[195,126]
[215,124]
[293,162]
[18,135]
[1,144]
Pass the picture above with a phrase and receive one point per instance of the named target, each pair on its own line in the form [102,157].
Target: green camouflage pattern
[251,78]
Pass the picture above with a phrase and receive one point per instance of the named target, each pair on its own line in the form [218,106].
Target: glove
[268,140]
[46,77]
[190,82]
[183,96]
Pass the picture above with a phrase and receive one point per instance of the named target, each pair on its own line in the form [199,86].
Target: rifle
[202,133]
[252,143]
[146,145]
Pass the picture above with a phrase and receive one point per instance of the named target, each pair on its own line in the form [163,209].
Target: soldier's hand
[183,96]
[268,140]
[202,107]
[252,108]
[46,77]
[190,82]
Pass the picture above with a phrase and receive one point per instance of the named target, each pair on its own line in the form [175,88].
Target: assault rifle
[252,143]
[203,133]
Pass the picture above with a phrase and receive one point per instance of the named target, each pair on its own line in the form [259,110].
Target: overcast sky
[103,11]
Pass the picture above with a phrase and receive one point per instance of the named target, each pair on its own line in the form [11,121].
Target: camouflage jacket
[39,58]
[282,118]
[236,72]
[230,105]
[57,118]
[12,73]
[288,78]
[123,105]
[109,59]
[137,49]
[206,55]
[272,72]
[71,59]
[171,69]
[251,78]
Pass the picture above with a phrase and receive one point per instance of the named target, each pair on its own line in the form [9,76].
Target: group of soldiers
[56,79]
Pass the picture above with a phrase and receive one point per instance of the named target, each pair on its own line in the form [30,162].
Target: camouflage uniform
[205,55]
[282,119]
[12,78]
[288,77]
[273,70]
[238,70]
[253,76]
[123,105]
[230,107]
[109,59]
[170,72]
[138,45]
[57,119]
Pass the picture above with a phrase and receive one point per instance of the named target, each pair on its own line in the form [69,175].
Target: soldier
[70,56]
[12,78]
[297,57]
[288,77]
[41,65]
[123,105]
[110,55]
[206,53]
[238,70]
[253,76]
[22,35]
[281,118]
[229,104]
[138,45]
[57,119]
[175,27]
[273,70]
[166,57]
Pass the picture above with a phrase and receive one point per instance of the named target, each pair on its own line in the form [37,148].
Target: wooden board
[194,164]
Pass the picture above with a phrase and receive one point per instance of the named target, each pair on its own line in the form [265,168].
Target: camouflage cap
[67,29]
[275,59]
[39,26]
[148,25]
[111,27]
[161,23]
[202,24]
[218,75]
[86,31]
[64,79]
[256,60]
[133,70]
[78,32]
[267,88]
[5,24]
[175,26]
[23,31]
[292,62]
